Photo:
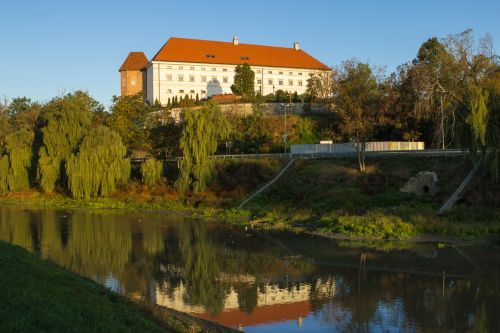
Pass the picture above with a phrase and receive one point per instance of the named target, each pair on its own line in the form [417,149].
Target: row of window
[225,79]
[182,91]
[225,70]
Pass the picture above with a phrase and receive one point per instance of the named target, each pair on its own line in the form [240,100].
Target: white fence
[348,148]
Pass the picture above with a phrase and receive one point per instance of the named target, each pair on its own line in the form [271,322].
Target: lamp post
[285,134]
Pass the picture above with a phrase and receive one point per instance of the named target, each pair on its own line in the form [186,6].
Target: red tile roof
[204,51]
[225,97]
[135,61]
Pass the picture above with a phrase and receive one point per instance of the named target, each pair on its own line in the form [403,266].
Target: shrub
[151,171]
[370,225]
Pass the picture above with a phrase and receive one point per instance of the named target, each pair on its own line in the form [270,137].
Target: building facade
[206,68]
[131,74]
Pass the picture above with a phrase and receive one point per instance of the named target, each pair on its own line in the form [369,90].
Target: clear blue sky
[52,47]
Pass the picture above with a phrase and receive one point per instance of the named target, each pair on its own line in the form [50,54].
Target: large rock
[425,182]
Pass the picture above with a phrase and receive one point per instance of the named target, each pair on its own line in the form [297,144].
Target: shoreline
[230,216]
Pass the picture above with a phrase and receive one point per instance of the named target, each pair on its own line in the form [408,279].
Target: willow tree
[99,165]
[151,171]
[202,128]
[15,164]
[66,120]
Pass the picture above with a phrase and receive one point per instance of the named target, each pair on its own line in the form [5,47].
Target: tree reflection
[200,267]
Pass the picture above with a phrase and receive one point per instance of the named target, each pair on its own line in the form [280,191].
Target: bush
[370,225]
[151,171]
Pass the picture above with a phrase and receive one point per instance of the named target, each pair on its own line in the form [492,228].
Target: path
[263,188]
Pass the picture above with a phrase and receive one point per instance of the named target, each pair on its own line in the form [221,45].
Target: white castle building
[206,68]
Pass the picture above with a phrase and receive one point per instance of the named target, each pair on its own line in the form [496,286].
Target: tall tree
[320,85]
[202,128]
[244,81]
[16,162]
[129,118]
[65,122]
[99,165]
[358,103]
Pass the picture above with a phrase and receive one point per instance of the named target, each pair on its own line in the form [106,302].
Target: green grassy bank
[325,196]
[38,296]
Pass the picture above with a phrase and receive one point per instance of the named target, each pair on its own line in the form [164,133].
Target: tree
[244,78]
[129,116]
[320,85]
[99,165]
[65,122]
[201,130]
[151,171]
[357,98]
[15,164]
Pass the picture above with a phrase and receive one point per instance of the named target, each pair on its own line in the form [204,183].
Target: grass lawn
[38,296]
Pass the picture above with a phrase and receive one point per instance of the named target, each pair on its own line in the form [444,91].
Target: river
[268,282]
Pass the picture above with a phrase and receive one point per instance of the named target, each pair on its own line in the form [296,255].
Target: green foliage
[66,120]
[129,117]
[99,164]
[201,130]
[478,117]
[15,164]
[244,81]
[151,171]
[372,224]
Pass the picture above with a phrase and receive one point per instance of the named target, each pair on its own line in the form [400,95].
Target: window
[214,79]
[290,73]
[169,67]
[269,72]
[191,78]
[181,91]
[244,58]
[259,81]
[192,91]
[270,82]
[203,92]
[290,82]
[224,79]
[210,56]
[300,83]
[224,69]
[258,71]
[181,78]
[203,68]
[280,82]
[169,77]
[191,68]
[203,78]
[300,73]
[180,67]
[281,73]
[169,91]
[214,69]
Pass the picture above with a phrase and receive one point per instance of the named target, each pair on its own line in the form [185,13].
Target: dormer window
[210,56]
[244,58]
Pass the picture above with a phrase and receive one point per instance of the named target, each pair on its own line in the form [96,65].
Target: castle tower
[131,76]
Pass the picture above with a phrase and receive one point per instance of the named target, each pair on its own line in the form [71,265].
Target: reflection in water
[283,282]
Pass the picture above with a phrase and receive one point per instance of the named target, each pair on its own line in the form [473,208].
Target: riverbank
[39,296]
[326,197]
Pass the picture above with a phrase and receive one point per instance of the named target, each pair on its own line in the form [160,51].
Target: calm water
[268,283]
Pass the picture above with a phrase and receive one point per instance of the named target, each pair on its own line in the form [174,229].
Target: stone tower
[131,76]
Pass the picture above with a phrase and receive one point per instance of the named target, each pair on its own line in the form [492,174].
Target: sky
[49,48]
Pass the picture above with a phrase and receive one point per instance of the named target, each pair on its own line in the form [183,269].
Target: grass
[325,196]
[39,296]
[331,196]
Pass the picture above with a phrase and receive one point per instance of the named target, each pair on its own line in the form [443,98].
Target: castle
[205,68]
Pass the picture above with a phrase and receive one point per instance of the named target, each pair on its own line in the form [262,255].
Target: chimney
[235,40]
[296,46]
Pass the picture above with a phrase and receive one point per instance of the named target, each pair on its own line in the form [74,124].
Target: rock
[425,182]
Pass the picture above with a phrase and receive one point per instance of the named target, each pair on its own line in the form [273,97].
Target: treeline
[71,145]
[448,96]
